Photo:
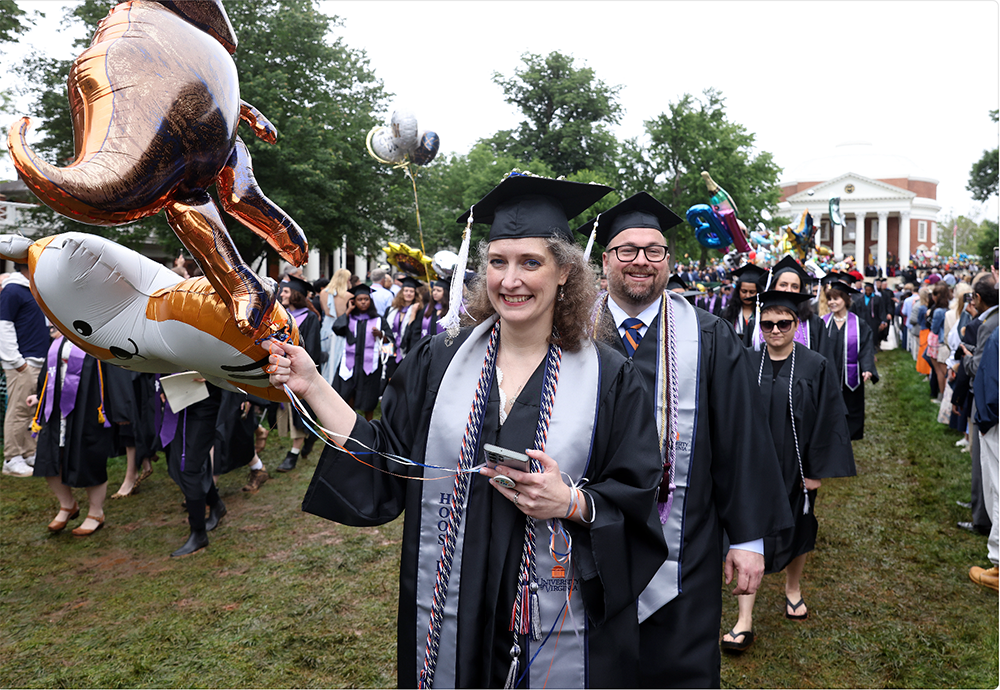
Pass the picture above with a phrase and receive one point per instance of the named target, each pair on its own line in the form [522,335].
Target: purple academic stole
[71,382]
[852,350]
[425,323]
[369,351]
[165,419]
[397,328]
[299,315]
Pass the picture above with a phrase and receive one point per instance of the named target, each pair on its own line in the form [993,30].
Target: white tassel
[536,614]
[451,320]
[590,240]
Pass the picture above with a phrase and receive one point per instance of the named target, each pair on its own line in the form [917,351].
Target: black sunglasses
[782,325]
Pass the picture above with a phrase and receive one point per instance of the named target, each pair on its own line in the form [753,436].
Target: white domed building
[888,205]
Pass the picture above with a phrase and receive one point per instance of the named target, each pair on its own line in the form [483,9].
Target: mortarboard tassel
[590,240]
[451,320]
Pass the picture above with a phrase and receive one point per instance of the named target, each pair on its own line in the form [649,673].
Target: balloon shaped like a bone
[155,102]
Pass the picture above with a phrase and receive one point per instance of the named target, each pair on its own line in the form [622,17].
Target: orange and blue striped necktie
[632,336]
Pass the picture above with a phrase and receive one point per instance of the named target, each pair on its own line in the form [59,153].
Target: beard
[637,295]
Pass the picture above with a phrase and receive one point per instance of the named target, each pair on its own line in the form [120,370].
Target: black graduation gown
[234,431]
[617,555]
[89,444]
[309,339]
[854,400]
[734,485]
[823,439]
[365,388]
[188,453]
[873,313]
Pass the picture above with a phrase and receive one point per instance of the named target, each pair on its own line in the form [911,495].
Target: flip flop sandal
[795,607]
[734,647]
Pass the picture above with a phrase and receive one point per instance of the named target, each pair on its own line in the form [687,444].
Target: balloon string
[420,227]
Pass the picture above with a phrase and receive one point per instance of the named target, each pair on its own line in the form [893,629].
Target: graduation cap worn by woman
[473,565]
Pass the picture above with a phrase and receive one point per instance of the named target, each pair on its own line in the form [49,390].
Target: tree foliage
[567,113]
[318,92]
[13,21]
[985,173]
[695,135]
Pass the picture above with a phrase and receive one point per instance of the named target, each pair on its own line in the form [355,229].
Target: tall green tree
[14,21]
[317,91]
[567,111]
[985,173]
[696,134]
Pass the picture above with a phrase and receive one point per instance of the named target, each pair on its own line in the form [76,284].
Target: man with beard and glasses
[721,472]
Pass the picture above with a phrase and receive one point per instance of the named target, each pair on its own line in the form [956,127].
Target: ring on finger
[516,495]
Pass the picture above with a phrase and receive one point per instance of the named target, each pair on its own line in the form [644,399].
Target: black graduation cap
[843,287]
[789,264]
[532,206]
[441,283]
[638,211]
[360,289]
[410,282]
[675,283]
[751,273]
[836,275]
[778,298]
[298,285]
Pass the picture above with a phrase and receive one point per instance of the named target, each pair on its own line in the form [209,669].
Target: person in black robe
[851,348]
[788,276]
[739,313]
[868,305]
[188,437]
[362,376]
[294,297]
[616,544]
[428,322]
[134,425]
[235,442]
[733,481]
[74,437]
[800,390]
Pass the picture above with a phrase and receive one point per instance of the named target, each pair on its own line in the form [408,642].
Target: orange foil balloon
[155,102]
[130,311]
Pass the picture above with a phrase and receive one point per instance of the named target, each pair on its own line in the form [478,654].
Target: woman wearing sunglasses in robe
[850,347]
[808,424]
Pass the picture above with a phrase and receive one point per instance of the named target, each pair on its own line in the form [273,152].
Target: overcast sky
[917,79]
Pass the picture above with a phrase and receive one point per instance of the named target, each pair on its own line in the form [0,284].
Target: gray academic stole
[569,442]
[677,371]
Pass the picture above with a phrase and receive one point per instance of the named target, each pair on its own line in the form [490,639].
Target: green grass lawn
[284,599]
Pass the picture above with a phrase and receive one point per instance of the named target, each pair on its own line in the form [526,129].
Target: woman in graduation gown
[361,379]
[739,313]
[402,316]
[430,318]
[540,292]
[75,438]
[788,276]
[800,390]
[851,349]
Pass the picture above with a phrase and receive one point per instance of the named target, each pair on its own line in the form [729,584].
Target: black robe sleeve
[821,418]
[866,350]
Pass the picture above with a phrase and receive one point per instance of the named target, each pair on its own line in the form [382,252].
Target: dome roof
[857,157]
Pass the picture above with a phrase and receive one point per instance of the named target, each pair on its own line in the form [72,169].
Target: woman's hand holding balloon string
[541,495]
[291,365]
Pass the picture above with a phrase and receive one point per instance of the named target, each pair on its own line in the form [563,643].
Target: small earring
[562,294]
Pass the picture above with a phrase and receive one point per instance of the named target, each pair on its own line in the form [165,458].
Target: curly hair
[572,317]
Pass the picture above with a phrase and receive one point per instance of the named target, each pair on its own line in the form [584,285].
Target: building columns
[859,238]
[361,267]
[838,238]
[883,241]
[904,238]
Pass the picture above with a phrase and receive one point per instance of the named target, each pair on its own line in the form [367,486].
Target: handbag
[933,341]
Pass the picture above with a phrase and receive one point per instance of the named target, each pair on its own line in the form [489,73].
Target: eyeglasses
[629,252]
[783,325]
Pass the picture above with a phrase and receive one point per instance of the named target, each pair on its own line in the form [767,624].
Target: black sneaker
[288,464]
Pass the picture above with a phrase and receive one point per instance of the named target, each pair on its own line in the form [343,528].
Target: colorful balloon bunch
[715,224]
[402,142]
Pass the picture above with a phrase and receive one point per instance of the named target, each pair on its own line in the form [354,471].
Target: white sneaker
[17,467]
[30,460]
[962,442]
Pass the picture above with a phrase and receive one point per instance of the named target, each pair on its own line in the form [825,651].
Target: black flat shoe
[288,464]
[215,514]
[795,607]
[196,542]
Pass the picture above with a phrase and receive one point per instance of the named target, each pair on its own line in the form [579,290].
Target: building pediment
[861,189]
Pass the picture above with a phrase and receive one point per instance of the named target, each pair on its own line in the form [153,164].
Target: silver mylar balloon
[385,147]
[444,263]
[404,130]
